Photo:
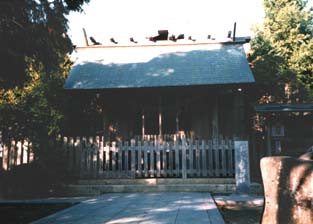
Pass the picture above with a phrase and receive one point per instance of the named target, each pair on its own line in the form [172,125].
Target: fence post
[197,158]
[120,159]
[82,156]
[64,152]
[19,149]
[210,160]
[12,153]
[223,160]
[71,155]
[77,156]
[146,172]
[139,158]
[230,157]
[158,157]
[97,156]
[107,159]
[170,158]
[101,146]
[164,164]
[242,168]
[191,150]
[133,159]
[113,151]
[204,159]
[151,149]
[216,157]
[88,157]
[126,159]
[184,158]
[24,151]
[176,148]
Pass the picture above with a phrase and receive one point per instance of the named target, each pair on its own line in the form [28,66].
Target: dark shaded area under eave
[227,65]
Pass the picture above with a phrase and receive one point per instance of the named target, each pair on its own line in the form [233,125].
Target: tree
[282,52]
[34,50]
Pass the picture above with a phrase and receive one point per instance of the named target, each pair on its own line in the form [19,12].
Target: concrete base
[216,185]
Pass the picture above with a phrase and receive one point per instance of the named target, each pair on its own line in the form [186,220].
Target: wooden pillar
[104,127]
[160,118]
[238,117]
[177,122]
[241,115]
[177,115]
[143,123]
[105,119]
[215,131]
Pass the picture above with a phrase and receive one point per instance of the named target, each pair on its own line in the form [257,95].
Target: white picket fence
[93,158]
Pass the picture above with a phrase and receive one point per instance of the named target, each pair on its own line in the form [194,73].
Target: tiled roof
[159,66]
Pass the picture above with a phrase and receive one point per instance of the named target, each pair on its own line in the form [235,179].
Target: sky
[122,19]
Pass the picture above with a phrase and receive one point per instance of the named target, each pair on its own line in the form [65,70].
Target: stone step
[96,189]
[156,181]
[99,189]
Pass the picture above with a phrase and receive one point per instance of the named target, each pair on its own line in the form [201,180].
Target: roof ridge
[168,44]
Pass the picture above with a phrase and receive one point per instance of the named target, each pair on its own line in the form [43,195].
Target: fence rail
[94,158]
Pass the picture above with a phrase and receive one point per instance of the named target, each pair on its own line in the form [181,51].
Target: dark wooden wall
[192,106]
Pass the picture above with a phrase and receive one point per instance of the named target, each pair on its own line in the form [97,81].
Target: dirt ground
[241,215]
[25,213]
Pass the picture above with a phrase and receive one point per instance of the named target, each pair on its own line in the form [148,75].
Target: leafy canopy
[282,51]
[34,50]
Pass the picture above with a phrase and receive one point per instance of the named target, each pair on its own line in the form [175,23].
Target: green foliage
[282,51]
[75,5]
[34,47]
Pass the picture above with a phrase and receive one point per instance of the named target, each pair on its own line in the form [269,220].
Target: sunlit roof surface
[159,66]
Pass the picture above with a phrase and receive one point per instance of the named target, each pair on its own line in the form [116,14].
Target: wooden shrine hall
[195,89]
[170,109]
